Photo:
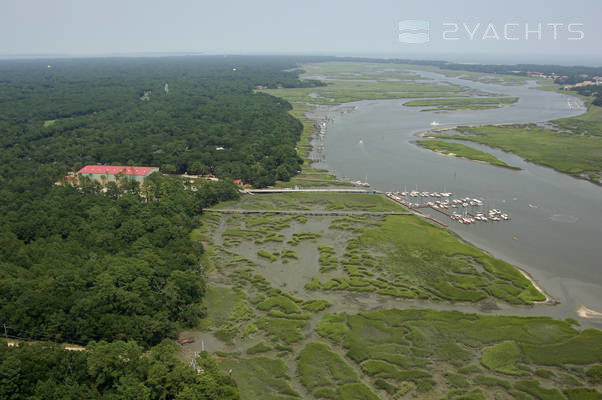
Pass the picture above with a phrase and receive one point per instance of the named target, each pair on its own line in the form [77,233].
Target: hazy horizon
[477,31]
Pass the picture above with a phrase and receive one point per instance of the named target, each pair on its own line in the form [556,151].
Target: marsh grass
[416,259]
[267,255]
[422,346]
[572,152]
[460,150]
[416,353]
[261,378]
[503,358]
[322,371]
[472,103]
[298,237]
[328,260]
[259,348]
[288,254]
[346,91]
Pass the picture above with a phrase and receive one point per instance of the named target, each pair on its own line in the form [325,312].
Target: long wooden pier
[429,217]
[441,211]
[314,190]
[307,212]
[416,211]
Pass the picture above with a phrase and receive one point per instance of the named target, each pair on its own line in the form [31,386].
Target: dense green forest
[117,370]
[80,266]
[118,264]
[68,113]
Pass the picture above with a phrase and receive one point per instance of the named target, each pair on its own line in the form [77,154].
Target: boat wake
[564,218]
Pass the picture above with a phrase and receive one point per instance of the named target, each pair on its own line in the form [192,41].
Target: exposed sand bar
[588,313]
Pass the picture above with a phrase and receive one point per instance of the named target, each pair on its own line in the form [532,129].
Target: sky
[477,30]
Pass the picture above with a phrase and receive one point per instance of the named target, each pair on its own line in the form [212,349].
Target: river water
[556,218]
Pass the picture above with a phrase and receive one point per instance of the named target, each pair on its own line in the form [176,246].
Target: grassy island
[472,103]
[460,150]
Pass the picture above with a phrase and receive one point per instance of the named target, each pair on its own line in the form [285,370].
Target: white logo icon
[414,31]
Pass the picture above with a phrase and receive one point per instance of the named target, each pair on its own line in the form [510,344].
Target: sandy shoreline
[549,299]
[588,313]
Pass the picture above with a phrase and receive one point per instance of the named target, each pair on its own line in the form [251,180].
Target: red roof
[114,170]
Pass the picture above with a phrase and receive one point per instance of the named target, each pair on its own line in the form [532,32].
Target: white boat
[434,123]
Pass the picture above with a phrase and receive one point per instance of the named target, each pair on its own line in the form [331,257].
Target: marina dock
[468,208]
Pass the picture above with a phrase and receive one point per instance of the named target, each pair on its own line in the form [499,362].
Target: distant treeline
[512,69]
[66,113]
[567,74]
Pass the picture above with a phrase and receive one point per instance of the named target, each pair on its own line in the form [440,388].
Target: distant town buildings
[597,81]
[541,75]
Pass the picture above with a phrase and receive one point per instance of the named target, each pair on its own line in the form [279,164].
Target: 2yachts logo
[418,31]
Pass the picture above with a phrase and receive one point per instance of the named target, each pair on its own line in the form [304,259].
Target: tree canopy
[116,266]
[117,370]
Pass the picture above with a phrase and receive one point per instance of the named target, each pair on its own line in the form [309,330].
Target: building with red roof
[110,172]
